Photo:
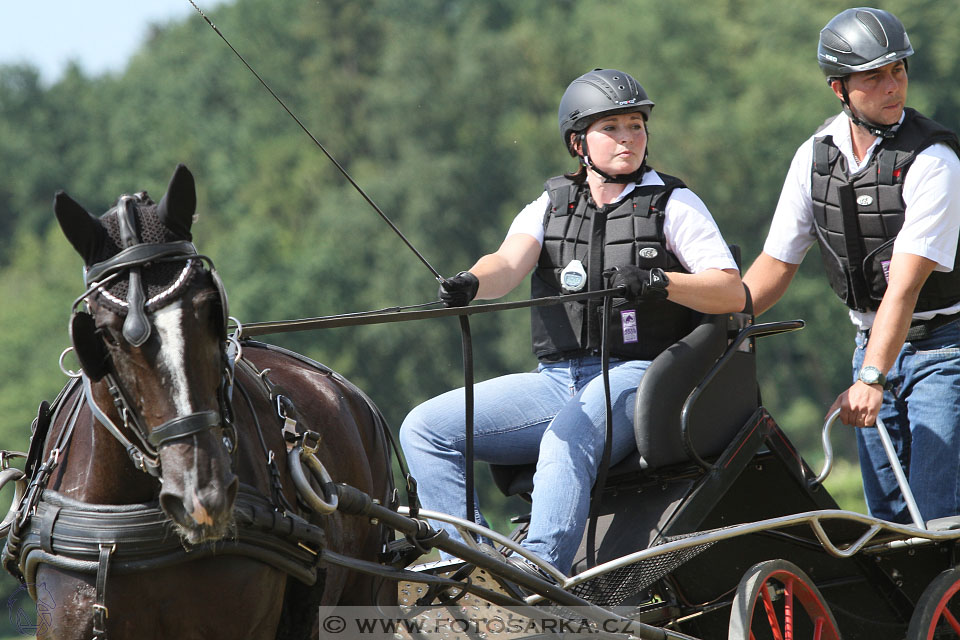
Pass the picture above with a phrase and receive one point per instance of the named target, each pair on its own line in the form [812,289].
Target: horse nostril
[215,500]
[173,506]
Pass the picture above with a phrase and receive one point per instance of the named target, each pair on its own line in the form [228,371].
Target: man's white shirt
[931,192]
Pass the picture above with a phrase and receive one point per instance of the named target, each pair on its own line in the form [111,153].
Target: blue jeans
[554,417]
[922,414]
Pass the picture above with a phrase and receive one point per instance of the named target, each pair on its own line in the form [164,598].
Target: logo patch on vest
[648,252]
[885,265]
[628,320]
[865,201]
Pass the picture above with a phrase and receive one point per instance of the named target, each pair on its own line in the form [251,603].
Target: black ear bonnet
[160,281]
[139,257]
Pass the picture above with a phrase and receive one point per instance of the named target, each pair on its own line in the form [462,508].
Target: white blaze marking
[170,328]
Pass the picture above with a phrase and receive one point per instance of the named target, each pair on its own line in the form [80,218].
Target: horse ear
[179,203]
[84,231]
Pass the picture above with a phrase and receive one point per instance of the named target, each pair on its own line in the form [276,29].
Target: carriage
[718,529]
[724,530]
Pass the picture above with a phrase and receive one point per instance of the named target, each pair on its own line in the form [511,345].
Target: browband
[136,255]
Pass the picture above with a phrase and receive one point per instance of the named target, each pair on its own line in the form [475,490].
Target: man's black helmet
[861,39]
[599,93]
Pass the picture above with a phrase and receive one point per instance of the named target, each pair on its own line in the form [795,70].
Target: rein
[404,314]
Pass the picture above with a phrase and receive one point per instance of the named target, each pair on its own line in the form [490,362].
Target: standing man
[878,188]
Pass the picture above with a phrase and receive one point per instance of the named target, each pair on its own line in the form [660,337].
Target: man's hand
[459,290]
[859,405]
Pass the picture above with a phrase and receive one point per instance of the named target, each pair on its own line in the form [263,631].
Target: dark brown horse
[161,502]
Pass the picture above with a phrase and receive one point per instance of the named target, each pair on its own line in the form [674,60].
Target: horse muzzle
[199,487]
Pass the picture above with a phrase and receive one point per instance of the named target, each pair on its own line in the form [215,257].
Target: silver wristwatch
[872,375]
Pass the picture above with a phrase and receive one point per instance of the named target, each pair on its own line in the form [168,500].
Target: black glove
[637,283]
[459,290]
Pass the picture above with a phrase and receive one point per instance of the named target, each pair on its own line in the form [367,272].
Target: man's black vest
[629,232]
[858,217]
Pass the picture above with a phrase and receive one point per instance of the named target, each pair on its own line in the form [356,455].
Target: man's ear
[837,86]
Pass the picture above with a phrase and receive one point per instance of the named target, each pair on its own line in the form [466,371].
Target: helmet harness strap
[584,155]
[879,130]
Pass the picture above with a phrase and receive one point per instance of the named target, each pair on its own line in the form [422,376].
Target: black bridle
[94,358]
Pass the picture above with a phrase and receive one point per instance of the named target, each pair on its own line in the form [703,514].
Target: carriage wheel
[777,601]
[937,614]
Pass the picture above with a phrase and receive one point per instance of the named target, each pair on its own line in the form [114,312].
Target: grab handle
[891,456]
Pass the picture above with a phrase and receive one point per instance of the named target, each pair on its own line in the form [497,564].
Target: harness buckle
[310,442]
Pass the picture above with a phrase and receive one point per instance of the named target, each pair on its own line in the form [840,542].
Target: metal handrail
[891,456]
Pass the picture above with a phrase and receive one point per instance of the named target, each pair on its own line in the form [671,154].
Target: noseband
[94,357]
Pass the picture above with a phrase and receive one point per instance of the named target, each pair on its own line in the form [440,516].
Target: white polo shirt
[931,192]
[690,231]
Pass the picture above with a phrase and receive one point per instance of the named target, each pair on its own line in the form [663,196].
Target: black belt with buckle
[921,329]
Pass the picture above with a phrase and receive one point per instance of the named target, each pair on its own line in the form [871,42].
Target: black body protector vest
[858,217]
[629,232]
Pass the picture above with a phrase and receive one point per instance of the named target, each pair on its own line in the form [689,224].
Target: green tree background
[445,112]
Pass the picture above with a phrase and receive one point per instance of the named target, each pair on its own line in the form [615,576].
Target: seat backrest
[723,407]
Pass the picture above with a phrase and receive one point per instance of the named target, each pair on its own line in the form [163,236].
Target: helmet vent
[873,26]
[831,40]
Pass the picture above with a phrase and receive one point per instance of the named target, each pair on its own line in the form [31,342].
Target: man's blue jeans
[554,417]
[922,414]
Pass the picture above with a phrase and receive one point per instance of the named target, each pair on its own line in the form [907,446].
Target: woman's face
[618,143]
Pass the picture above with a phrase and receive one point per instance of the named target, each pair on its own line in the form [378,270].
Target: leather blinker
[90,348]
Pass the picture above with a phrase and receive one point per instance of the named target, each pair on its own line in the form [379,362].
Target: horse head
[154,351]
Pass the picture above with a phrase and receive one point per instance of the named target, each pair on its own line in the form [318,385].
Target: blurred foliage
[445,112]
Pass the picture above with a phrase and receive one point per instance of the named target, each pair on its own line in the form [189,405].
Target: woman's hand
[459,290]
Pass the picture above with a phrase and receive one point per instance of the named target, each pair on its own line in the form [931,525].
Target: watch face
[870,375]
[573,277]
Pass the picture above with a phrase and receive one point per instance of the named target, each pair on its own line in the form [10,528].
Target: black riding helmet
[596,94]
[861,39]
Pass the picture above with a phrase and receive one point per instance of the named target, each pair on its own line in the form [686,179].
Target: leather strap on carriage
[43,471]
[46,415]
[100,611]
[276,482]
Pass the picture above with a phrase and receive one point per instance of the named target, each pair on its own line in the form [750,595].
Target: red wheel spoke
[771,613]
[778,584]
[932,616]
[952,620]
[788,610]
[818,629]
